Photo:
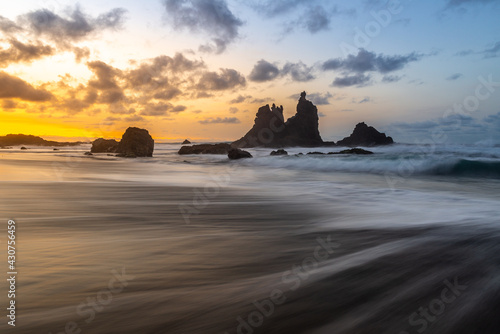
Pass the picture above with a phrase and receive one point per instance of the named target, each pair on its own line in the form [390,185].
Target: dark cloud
[75,26]
[158,109]
[454,77]
[353,80]
[14,87]
[391,78]
[278,7]
[224,80]
[365,100]
[233,110]
[366,61]
[212,17]
[179,108]
[298,71]
[264,71]
[9,104]
[167,93]
[240,99]
[218,120]
[317,19]
[19,52]
[104,75]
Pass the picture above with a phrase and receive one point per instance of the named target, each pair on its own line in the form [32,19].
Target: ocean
[403,241]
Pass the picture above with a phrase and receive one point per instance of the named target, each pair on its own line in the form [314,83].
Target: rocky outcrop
[136,143]
[270,129]
[353,151]
[16,140]
[186,142]
[221,148]
[236,153]
[364,135]
[279,152]
[102,145]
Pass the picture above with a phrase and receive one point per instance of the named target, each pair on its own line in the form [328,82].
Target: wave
[469,168]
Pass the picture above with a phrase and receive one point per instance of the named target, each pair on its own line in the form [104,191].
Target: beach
[293,244]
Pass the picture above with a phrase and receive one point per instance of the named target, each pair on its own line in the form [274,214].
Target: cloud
[366,61]
[320,114]
[224,80]
[391,78]
[134,118]
[316,98]
[233,110]
[212,17]
[353,80]
[365,100]
[76,26]
[8,26]
[158,109]
[218,120]
[298,71]
[104,75]
[179,108]
[317,19]
[492,52]
[454,77]
[19,52]
[240,99]
[14,87]
[264,71]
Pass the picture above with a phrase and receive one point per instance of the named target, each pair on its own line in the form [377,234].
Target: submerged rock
[221,148]
[23,148]
[353,151]
[236,153]
[136,143]
[279,152]
[186,142]
[102,145]
[87,153]
[364,135]
[315,153]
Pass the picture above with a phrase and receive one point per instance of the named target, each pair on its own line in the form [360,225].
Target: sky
[200,69]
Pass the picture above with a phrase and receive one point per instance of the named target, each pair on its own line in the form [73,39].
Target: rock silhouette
[353,151]
[221,148]
[20,139]
[279,152]
[270,129]
[186,142]
[364,135]
[236,153]
[102,145]
[136,143]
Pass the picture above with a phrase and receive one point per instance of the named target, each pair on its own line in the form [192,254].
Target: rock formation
[364,135]
[270,129]
[136,143]
[186,142]
[353,151]
[15,140]
[279,152]
[221,148]
[236,153]
[104,145]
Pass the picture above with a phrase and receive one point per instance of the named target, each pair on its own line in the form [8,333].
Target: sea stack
[270,129]
[136,143]
[364,135]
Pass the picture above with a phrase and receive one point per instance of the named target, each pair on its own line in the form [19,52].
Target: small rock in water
[87,153]
[186,142]
[353,151]
[279,152]
[23,148]
[236,153]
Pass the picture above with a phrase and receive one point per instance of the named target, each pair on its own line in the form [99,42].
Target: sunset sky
[200,69]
